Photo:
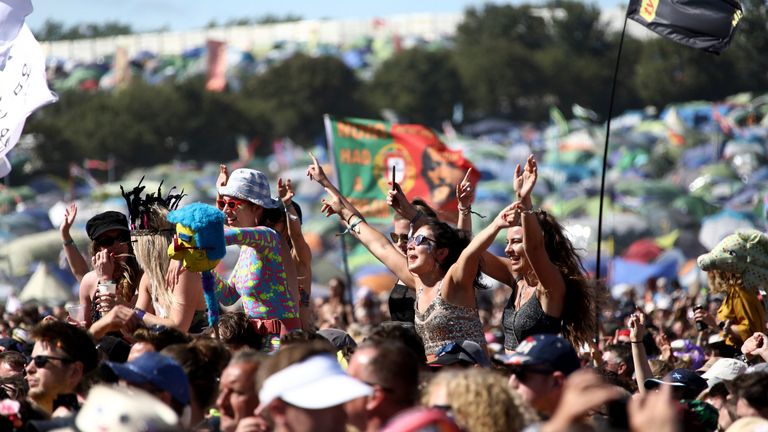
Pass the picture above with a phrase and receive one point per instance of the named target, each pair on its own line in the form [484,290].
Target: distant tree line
[512,62]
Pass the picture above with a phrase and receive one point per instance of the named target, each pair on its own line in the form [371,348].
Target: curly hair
[579,319]
[151,251]
[720,281]
[481,401]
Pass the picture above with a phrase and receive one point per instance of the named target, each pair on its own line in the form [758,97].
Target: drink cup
[76,312]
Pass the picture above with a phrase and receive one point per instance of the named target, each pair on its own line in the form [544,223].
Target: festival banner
[216,80]
[364,152]
[703,24]
[23,89]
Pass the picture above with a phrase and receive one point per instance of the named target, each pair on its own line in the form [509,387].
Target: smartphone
[393,176]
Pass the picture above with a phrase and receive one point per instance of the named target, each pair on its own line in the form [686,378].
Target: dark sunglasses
[41,360]
[397,238]
[523,373]
[420,239]
[231,204]
[106,242]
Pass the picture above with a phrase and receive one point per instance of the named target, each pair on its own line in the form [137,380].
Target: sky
[146,15]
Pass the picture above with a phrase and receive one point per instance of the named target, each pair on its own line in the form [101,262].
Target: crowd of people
[465,341]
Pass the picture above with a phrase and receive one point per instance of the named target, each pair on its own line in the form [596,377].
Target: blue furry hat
[208,224]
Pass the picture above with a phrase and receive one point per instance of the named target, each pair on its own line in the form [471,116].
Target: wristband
[68,242]
[139,313]
[465,210]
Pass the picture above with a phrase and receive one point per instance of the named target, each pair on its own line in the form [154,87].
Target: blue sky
[145,15]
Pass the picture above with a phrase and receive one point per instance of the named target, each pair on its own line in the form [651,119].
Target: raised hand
[70,213]
[285,191]
[509,216]
[104,264]
[465,193]
[756,345]
[396,198]
[331,204]
[525,179]
[583,392]
[637,327]
[315,171]
[223,176]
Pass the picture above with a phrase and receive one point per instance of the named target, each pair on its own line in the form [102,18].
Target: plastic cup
[76,312]
[108,288]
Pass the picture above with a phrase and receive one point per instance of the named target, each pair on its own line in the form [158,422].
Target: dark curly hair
[579,319]
[455,240]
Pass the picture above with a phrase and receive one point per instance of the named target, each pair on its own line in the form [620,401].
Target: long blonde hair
[151,250]
[482,401]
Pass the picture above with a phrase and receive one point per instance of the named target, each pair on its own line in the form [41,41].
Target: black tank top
[528,321]
[402,301]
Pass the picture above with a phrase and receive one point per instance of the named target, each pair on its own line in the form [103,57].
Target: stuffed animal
[744,253]
[199,244]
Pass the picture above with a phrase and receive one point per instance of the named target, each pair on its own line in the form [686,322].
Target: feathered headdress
[140,209]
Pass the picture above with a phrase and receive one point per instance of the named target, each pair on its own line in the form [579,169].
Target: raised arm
[77,263]
[373,240]
[465,194]
[463,272]
[639,356]
[302,254]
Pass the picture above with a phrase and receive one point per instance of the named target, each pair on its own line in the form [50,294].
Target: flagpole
[605,159]
[342,240]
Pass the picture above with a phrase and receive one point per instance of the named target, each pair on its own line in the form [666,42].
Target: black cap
[103,222]
[689,380]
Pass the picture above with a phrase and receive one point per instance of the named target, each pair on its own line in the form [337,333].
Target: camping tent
[45,287]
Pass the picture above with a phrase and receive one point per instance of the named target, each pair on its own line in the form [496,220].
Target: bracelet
[352,226]
[635,342]
[416,218]
[350,218]
[139,313]
[465,210]
[69,242]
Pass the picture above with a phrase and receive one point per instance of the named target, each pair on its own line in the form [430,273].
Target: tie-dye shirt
[258,276]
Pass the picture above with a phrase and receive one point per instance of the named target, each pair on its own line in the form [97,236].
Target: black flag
[702,24]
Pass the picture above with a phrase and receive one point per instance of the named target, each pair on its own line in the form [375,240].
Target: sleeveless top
[528,321]
[401,303]
[199,319]
[443,322]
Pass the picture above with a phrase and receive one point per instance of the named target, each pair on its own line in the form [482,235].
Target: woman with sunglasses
[116,273]
[550,292]
[434,264]
[264,276]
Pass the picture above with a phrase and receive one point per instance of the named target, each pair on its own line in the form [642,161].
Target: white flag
[23,89]
[12,14]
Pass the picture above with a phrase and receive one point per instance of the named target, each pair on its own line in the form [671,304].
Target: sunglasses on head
[41,360]
[420,239]
[397,238]
[229,203]
[106,242]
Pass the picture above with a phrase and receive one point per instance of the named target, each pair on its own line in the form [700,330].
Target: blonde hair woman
[479,400]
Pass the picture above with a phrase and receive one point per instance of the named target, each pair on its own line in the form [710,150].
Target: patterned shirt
[258,277]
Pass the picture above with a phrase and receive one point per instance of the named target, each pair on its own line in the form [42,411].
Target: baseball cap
[250,185]
[685,378]
[466,352]
[724,369]
[339,338]
[106,221]
[120,409]
[315,383]
[546,350]
[153,368]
